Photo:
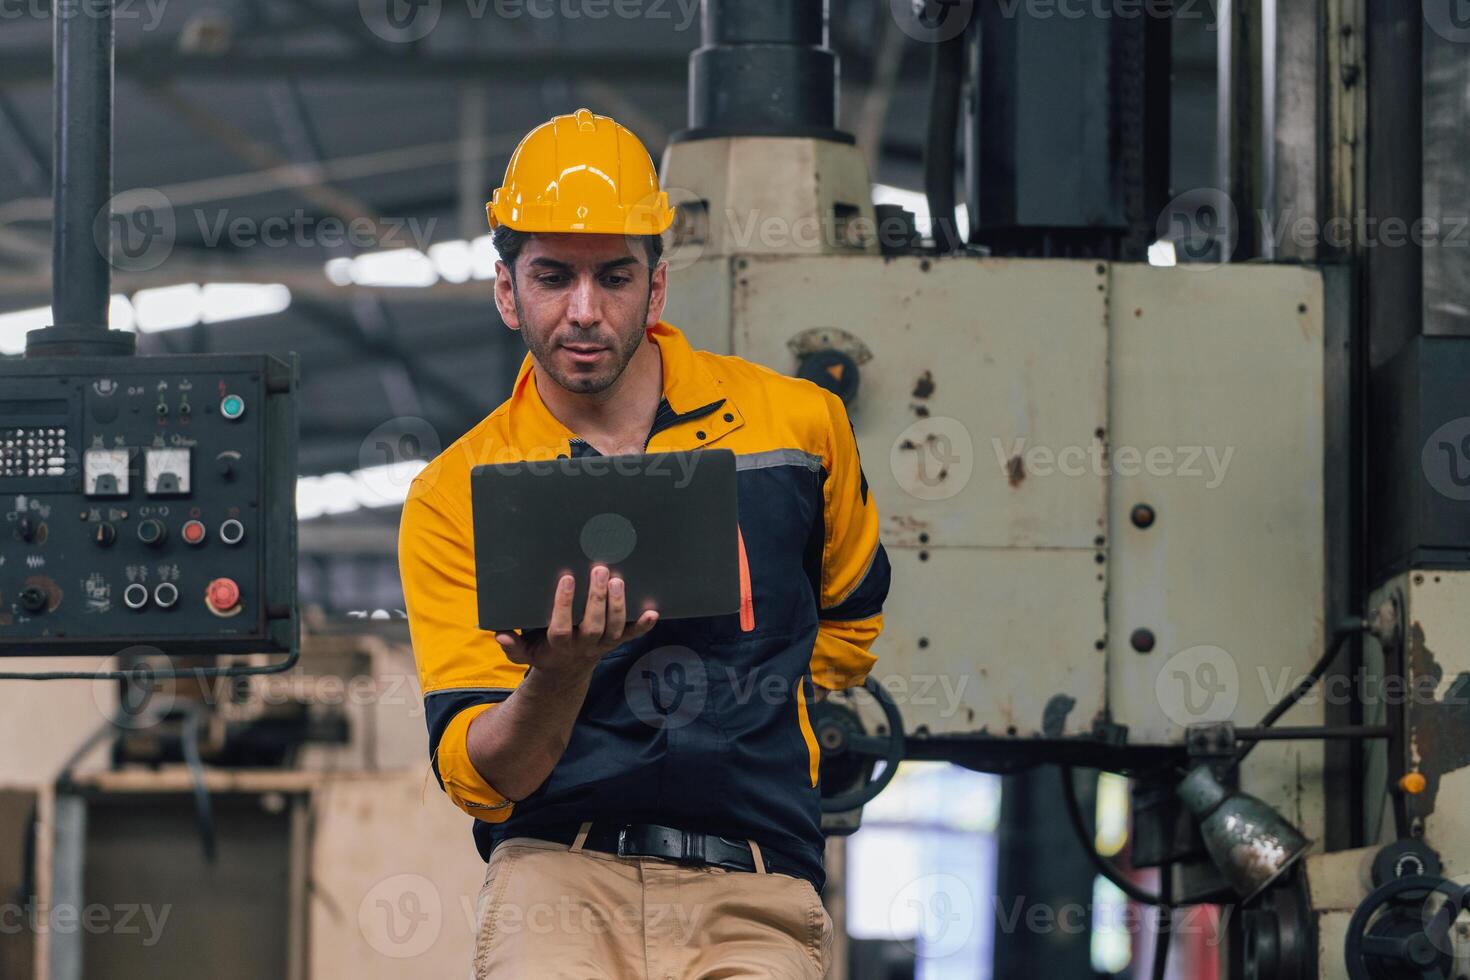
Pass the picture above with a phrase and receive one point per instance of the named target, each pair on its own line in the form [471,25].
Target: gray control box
[147,501]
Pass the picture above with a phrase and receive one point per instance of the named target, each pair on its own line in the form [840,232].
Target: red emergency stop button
[193,532]
[223,595]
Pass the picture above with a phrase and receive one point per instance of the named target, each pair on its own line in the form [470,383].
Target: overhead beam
[253,153]
[302,278]
[165,61]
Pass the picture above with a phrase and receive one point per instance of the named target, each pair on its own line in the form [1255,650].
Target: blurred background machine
[1159,383]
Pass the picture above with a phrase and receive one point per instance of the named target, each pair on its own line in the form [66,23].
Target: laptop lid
[665,522]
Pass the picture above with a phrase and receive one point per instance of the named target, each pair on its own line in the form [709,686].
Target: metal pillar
[763,68]
[81,188]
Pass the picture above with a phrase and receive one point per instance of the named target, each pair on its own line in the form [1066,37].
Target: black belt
[670,844]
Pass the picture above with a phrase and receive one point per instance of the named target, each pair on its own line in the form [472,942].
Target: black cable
[946,77]
[192,722]
[1165,923]
[203,809]
[1334,646]
[124,675]
[1104,867]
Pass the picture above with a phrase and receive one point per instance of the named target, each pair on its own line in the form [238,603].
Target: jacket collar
[688,386]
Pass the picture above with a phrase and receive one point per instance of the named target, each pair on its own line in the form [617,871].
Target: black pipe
[945,78]
[1312,733]
[81,187]
[763,68]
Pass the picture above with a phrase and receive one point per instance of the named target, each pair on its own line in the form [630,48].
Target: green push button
[232,407]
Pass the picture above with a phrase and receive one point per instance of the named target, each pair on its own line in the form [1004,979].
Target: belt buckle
[623,841]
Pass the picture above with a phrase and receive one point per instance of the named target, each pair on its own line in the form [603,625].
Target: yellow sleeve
[462,670]
[855,571]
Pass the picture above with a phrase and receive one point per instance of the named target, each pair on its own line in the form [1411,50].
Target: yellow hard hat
[584,173]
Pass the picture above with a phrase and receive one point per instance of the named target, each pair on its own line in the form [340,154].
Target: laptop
[665,522]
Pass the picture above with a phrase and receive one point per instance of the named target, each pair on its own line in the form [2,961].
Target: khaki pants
[548,912]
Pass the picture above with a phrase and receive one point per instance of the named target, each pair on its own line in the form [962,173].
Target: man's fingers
[561,608]
[516,649]
[646,622]
[595,616]
[617,611]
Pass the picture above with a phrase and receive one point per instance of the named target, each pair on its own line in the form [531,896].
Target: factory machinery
[1202,525]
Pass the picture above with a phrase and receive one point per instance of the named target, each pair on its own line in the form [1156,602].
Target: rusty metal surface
[983,374]
[1220,374]
[1438,711]
[975,364]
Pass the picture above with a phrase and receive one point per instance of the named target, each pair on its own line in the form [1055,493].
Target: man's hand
[573,651]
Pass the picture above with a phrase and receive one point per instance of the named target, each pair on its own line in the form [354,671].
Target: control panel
[147,500]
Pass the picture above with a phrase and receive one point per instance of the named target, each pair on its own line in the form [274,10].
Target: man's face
[581,304]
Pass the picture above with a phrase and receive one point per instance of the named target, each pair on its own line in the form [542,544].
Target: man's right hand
[572,651]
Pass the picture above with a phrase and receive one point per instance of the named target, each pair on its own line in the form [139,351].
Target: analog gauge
[166,471]
[106,472]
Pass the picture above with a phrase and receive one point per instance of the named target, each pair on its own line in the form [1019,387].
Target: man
[645,792]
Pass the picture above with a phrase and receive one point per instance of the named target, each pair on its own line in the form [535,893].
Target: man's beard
[582,384]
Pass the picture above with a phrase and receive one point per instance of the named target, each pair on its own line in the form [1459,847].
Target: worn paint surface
[978,368]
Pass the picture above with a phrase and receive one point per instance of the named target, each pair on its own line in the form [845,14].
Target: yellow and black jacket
[743,763]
